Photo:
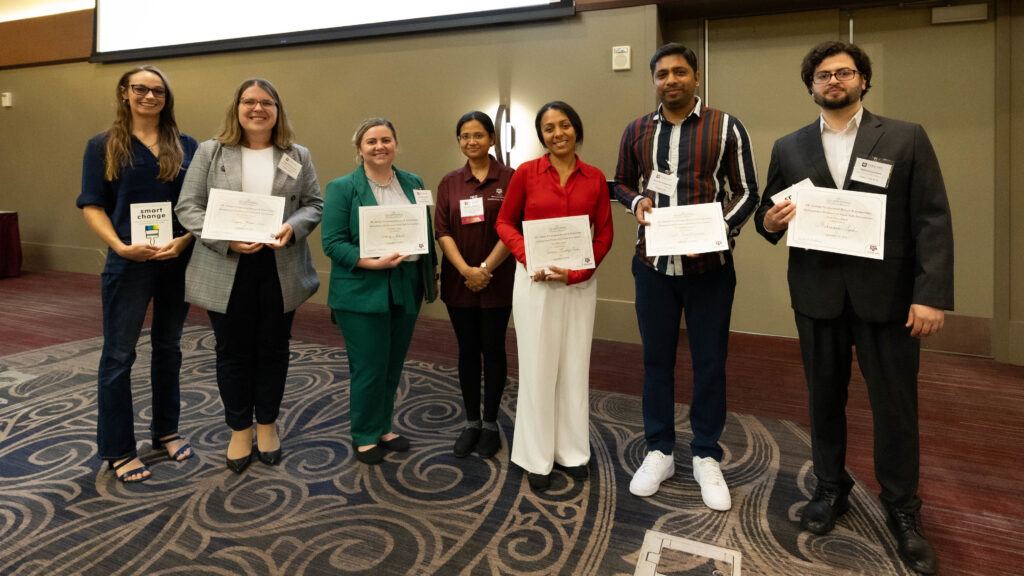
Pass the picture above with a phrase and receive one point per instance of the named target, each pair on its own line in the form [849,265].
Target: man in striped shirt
[698,155]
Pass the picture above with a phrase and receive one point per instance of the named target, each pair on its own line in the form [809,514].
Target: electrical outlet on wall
[6,100]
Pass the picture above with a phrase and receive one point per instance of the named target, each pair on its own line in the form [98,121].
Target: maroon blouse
[475,241]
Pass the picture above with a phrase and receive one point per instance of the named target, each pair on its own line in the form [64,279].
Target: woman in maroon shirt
[554,307]
[476,278]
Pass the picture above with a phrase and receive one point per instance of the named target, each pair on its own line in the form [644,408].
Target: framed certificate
[839,221]
[242,216]
[691,229]
[562,242]
[385,230]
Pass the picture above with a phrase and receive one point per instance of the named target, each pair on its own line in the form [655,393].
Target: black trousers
[889,359]
[480,332]
[252,343]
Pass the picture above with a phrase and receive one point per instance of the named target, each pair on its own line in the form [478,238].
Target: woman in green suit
[375,301]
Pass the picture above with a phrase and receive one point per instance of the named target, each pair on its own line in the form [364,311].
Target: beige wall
[942,76]
[753,72]
[423,82]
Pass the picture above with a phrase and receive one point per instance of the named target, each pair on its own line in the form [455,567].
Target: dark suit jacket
[918,264]
[355,289]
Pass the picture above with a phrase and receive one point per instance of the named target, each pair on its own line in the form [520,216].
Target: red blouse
[535,193]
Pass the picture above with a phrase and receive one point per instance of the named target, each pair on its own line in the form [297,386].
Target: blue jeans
[706,299]
[127,288]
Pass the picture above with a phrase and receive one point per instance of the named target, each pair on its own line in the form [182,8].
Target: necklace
[378,184]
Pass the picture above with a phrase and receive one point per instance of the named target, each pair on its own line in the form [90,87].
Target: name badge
[471,210]
[790,193]
[663,183]
[289,166]
[423,197]
[875,171]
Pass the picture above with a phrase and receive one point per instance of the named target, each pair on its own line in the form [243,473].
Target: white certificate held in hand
[562,242]
[386,230]
[839,221]
[691,229]
[241,216]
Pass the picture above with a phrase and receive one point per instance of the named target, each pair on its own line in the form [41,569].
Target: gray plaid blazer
[211,271]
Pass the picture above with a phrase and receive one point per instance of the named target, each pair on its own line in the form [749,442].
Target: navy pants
[706,300]
[127,288]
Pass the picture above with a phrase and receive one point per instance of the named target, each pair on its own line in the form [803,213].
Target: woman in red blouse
[476,278]
[554,307]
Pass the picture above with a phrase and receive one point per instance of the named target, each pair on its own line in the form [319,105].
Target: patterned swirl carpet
[422,512]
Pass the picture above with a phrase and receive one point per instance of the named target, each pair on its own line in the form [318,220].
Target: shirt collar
[853,123]
[545,164]
[695,112]
[492,171]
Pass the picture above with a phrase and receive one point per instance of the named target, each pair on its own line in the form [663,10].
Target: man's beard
[849,97]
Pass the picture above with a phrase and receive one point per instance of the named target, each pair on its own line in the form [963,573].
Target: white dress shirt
[838,145]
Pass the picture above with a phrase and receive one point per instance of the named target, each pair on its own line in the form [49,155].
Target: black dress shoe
[580,472]
[489,443]
[466,442]
[238,465]
[829,503]
[914,549]
[373,456]
[539,482]
[271,458]
[396,444]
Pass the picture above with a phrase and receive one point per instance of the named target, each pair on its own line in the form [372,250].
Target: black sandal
[159,443]
[126,477]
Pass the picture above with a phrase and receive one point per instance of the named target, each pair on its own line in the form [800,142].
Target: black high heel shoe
[271,458]
[238,465]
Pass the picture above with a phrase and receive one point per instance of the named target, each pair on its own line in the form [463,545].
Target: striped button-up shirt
[710,153]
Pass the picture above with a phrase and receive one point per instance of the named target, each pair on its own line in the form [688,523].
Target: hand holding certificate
[560,242]
[242,216]
[386,230]
[692,229]
[839,221]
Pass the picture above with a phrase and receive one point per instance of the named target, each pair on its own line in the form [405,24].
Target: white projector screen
[201,26]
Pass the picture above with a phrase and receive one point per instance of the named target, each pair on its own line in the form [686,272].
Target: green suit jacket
[355,289]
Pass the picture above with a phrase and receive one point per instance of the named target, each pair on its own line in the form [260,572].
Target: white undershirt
[838,145]
[258,170]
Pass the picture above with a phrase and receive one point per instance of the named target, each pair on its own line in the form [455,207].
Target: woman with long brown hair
[141,159]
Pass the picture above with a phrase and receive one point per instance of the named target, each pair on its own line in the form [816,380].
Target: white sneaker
[713,489]
[657,468]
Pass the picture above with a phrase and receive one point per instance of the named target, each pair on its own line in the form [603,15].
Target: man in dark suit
[879,307]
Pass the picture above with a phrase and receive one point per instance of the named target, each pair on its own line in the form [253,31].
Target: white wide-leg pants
[554,328]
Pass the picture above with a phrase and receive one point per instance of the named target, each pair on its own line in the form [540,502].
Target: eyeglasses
[252,102]
[842,75]
[159,92]
[467,136]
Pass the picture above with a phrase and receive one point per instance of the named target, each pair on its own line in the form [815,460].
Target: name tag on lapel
[289,166]
[874,171]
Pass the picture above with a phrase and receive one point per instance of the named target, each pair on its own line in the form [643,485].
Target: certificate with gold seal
[839,221]
[562,242]
[386,230]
